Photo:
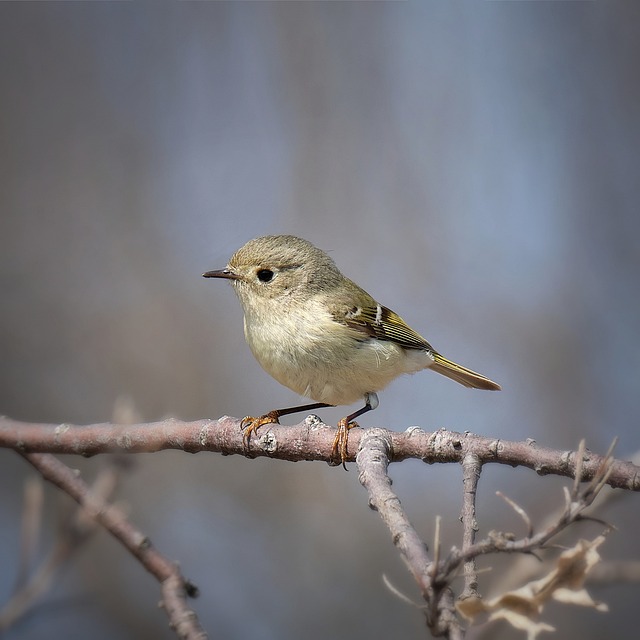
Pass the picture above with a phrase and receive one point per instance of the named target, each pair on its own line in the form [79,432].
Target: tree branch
[471,467]
[313,440]
[309,440]
[175,588]
[576,501]
[373,461]
[72,536]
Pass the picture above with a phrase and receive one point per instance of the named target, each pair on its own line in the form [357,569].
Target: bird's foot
[250,425]
[339,453]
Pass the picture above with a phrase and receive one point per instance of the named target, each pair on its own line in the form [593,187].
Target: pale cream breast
[315,356]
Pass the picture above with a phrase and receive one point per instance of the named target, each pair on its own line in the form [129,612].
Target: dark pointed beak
[221,273]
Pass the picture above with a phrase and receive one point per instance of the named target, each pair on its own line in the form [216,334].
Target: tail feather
[461,374]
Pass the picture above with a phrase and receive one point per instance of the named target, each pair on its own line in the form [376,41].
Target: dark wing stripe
[387,325]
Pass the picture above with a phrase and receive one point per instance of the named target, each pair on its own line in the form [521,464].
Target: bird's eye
[265,275]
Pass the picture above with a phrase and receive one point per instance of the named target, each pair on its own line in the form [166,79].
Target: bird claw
[250,425]
[339,449]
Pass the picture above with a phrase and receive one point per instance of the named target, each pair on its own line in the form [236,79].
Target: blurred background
[474,166]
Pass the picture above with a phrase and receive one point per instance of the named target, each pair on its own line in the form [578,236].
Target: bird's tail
[461,374]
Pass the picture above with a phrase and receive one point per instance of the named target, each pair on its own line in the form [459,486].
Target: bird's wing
[375,321]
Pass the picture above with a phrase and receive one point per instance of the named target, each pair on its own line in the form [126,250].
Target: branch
[373,461]
[471,467]
[435,577]
[175,588]
[313,440]
[77,530]
[309,440]
[576,501]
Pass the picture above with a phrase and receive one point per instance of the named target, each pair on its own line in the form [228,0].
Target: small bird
[320,334]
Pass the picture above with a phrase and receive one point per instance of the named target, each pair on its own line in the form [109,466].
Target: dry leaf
[564,584]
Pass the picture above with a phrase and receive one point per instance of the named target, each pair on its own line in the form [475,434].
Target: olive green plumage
[319,333]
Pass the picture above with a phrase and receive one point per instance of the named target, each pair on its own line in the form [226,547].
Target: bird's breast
[315,356]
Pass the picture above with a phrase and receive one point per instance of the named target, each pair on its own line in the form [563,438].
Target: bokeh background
[475,166]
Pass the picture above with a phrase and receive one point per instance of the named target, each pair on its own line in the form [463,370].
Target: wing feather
[382,323]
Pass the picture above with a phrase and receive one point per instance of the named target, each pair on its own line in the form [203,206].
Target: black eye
[265,275]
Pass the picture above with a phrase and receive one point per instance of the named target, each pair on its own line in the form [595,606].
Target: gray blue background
[473,165]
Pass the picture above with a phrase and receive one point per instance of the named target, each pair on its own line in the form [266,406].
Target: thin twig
[497,543]
[519,510]
[39,583]
[71,538]
[174,587]
[437,545]
[31,524]
[579,464]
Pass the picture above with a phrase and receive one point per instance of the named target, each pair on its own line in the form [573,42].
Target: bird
[321,335]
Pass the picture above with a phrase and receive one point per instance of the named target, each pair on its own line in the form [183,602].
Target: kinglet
[318,333]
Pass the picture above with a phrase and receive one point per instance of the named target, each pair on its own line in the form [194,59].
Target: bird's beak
[221,273]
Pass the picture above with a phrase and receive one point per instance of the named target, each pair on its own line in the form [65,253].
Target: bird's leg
[250,425]
[342,436]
